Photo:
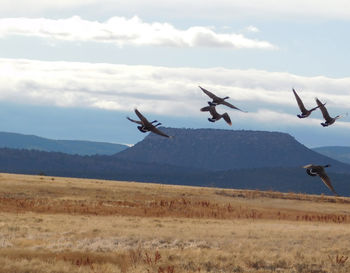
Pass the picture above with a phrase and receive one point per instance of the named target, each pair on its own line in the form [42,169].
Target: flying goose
[329,120]
[146,126]
[314,170]
[215,115]
[217,100]
[304,112]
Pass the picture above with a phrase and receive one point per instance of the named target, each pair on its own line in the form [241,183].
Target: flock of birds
[312,170]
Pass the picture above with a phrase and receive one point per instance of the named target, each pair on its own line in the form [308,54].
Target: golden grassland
[51,224]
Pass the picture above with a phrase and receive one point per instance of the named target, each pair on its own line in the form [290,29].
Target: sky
[74,69]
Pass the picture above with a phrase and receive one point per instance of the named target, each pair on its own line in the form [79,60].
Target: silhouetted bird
[217,100]
[319,170]
[215,115]
[329,120]
[304,112]
[146,126]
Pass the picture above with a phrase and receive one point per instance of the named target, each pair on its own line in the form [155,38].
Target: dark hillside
[203,157]
[339,153]
[31,142]
[226,150]
[293,179]
[60,164]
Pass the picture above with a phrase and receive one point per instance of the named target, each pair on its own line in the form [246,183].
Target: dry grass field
[51,224]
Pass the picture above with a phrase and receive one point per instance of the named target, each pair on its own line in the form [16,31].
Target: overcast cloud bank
[123,31]
[167,91]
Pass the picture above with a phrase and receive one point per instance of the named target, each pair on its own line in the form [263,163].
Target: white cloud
[123,31]
[168,91]
[336,9]
[252,29]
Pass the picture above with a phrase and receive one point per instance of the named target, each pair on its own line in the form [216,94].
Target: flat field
[51,224]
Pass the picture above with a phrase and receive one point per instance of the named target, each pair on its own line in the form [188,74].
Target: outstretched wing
[308,166]
[323,109]
[232,106]
[212,111]
[144,121]
[210,94]
[226,117]
[326,180]
[205,109]
[312,109]
[132,120]
[300,103]
[158,132]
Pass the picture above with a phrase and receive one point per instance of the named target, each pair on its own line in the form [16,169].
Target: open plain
[52,224]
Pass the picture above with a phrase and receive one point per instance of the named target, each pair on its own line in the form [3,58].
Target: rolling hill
[339,153]
[285,179]
[220,158]
[31,142]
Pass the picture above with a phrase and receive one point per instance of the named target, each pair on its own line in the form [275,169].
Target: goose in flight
[146,126]
[217,100]
[304,112]
[314,170]
[329,120]
[215,115]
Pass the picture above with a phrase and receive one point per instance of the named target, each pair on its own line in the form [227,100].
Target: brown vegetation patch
[253,194]
[94,226]
[164,208]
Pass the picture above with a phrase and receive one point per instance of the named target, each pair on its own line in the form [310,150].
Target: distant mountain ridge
[216,150]
[340,153]
[201,157]
[285,179]
[32,142]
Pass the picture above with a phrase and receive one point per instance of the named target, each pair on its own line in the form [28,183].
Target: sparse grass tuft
[338,260]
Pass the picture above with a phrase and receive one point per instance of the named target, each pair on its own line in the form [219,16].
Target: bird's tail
[226,117]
